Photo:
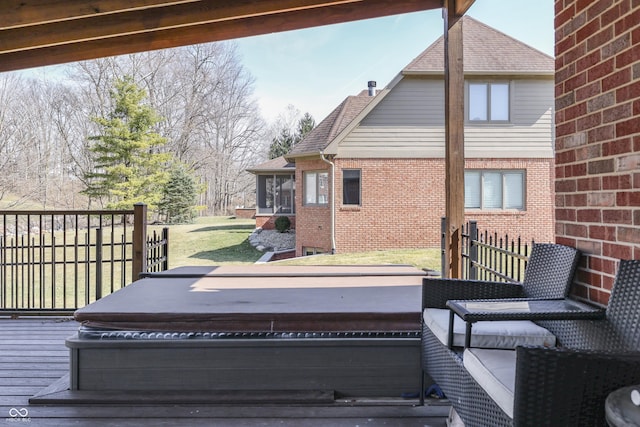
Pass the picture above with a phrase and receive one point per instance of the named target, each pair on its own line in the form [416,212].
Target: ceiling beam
[18,13]
[461,6]
[179,24]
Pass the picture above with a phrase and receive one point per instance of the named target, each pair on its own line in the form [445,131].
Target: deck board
[27,367]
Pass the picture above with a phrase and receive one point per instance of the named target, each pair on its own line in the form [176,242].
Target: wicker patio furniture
[565,385]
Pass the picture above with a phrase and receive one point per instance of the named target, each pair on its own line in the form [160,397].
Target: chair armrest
[567,387]
[436,292]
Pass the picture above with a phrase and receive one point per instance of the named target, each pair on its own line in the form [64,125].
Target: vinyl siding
[409,122]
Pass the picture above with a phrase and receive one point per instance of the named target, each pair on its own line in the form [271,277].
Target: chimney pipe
[372,87]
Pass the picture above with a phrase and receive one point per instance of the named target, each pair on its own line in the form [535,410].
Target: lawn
[224,240]
[211,241]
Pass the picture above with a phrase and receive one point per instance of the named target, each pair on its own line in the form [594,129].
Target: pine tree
[179,197]
[128,167]
[285,141]
[281,144]
[305,125]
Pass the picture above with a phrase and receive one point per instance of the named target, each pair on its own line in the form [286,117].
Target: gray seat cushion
[495,372]
[494,334]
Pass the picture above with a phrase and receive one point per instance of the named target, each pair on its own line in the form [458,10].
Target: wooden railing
[54,262]
[488,256]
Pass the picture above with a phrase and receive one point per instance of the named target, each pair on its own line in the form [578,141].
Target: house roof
[486,51]
[279,164]
[318,139]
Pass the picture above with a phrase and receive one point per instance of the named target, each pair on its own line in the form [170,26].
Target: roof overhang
[440,74]
[46,32]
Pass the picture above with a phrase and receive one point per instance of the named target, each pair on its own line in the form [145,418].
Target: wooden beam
[17,13]
[462,6]
[454,139]
[136,21]
[176,25]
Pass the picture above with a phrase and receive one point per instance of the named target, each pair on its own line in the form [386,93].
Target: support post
[139,264]
[454,137]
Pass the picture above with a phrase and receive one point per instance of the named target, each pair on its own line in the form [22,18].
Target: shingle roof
[273,165]
[318,139]
[486,50]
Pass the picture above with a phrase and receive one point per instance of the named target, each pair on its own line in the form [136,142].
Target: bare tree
[202,93]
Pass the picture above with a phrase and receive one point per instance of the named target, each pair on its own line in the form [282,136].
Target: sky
[315,69]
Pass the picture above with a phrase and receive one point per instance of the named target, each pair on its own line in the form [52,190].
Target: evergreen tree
[179,197]
[305,125]
[281,144]
[285,141]
[128,167]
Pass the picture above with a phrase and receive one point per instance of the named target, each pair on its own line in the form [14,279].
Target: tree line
[59,136]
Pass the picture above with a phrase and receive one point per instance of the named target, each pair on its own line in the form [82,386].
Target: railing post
[444,265]
[139,264]
[472,250]
[165,248]
[98,263]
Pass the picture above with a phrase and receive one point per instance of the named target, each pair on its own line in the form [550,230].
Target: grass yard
[211,241]
[224,240]
[420,258]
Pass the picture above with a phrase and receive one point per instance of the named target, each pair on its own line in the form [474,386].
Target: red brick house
[371,175]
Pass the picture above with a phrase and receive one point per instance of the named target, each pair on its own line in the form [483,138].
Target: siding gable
[409,123]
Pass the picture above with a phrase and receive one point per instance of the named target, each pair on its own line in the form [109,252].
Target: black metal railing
[54,262]
[158,251]
[488,256]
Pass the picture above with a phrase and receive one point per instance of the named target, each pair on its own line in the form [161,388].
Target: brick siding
[268,222]
[313,223]
[598,137]
[402,201]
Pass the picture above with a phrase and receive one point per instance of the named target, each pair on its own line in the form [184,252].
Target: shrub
[283,224]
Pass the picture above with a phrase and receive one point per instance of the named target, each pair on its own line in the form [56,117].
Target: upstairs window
[351,187]
[490,189]
[316,188]
[488,102]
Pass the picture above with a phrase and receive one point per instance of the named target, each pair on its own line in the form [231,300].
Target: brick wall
[268,222]
[536,222]
[403,201]
[598,137]
[313,223]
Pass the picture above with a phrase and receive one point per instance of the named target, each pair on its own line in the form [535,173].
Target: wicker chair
[548,275]
[562,386]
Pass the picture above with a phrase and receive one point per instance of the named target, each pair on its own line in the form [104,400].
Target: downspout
[333,202]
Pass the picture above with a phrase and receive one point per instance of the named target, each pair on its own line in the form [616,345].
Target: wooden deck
[33,356]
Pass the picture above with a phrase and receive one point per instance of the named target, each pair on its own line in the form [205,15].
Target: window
[316,188]
[351,187]
[488,102]
[494,189]
[307,251]
[276,194]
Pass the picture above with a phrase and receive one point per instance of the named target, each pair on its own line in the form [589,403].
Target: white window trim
[304,188]
[488,83]
[502,172]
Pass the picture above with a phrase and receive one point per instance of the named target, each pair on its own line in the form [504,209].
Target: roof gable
[486,51]
[322,135]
